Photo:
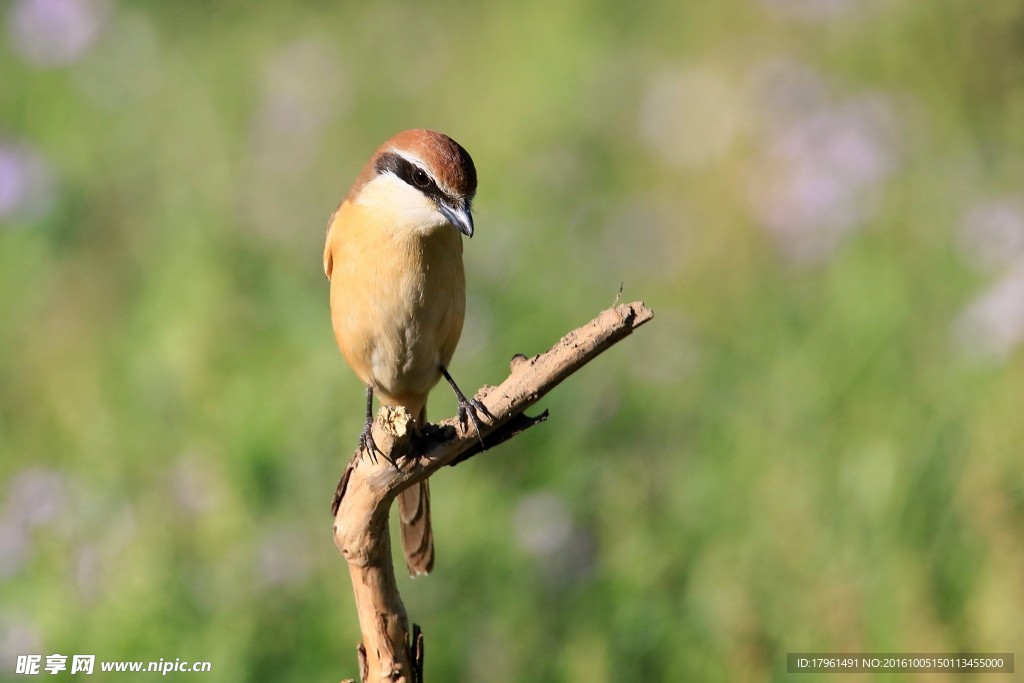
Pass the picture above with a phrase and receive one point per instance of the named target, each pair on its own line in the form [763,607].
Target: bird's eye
[420,177]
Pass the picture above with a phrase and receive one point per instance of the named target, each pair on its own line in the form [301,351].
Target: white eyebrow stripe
[412,159]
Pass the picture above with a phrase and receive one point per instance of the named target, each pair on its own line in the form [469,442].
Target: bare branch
[369,484]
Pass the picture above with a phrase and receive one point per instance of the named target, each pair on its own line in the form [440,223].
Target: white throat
[410,208]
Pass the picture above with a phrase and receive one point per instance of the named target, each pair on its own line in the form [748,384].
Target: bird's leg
[366,442]
[468,408]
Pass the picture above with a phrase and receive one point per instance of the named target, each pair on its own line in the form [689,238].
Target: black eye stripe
[410,173]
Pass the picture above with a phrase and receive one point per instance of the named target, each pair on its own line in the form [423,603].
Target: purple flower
[993,324]
[14,547]
[35,496]
[992,234]
[54,32]
[26,183]
[820,174]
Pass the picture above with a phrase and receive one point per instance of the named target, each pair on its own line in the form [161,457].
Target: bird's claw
[369,446]
[468,412]
[468,408]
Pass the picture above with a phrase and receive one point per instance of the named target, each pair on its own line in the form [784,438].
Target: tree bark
[370,482]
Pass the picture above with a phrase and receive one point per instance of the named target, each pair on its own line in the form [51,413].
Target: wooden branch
[370,482]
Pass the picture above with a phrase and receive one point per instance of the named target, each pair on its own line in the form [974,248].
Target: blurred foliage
[816,445]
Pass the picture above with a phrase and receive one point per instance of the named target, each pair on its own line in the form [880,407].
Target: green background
[816,445]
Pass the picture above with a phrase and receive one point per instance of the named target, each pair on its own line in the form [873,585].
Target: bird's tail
[414,516]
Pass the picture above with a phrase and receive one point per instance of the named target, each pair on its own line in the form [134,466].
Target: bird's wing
[329,244]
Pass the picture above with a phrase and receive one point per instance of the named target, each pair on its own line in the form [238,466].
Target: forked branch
[369,483]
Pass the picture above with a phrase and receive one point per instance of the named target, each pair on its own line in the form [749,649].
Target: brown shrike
[398,289]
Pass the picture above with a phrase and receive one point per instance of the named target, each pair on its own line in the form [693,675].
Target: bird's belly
[397,337]
[402,368]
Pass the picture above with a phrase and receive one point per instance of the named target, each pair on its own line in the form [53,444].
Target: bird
[393,256]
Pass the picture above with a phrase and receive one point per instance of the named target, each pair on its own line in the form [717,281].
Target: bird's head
[427,179]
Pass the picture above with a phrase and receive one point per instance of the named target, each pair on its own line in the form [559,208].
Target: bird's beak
[458,215]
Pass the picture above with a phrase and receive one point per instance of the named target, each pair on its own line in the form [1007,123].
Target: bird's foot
[468,411]
[366,443]
[369,446]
